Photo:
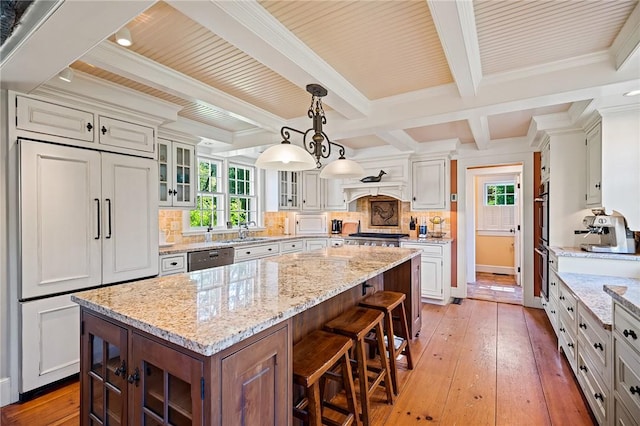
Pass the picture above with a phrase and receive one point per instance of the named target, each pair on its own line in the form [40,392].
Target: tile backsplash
[170,222]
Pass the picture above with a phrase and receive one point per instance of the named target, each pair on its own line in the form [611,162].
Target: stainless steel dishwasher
[205,259]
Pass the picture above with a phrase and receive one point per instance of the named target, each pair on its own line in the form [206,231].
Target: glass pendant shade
[286,156]
[342,169]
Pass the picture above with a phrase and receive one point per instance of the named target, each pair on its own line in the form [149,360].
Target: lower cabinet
[127,377]
[435,271]
[171,264]
[315,243]
[626,358]
[258,251]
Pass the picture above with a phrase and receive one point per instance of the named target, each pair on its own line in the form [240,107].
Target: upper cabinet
[312,199]
[73,126]
[429,185]
[289,190]
[593,190]
[176,174]
[545,163]
[334,198]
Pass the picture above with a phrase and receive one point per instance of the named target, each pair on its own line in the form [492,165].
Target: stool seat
[356,323]
[387,302]
[314,356]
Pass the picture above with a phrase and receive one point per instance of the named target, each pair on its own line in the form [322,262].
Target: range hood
[397,190]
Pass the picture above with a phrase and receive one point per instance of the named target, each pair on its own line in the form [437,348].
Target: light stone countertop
[577,252]
[210,310]
[627,295]
[590,290]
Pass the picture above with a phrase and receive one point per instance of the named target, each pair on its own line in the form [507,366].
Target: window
[226,194]
[242,198]
[499,194]
[210,205]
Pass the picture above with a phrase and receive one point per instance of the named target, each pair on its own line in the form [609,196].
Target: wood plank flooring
[495,288]
[478,363]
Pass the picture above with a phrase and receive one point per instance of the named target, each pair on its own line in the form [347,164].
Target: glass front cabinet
[289,190]
[176,174]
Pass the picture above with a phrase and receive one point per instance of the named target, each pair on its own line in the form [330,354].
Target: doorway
[494,273]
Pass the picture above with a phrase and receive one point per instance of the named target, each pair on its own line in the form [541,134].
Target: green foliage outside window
[500,194]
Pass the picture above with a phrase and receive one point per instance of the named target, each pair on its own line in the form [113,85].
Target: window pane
[500,200]
[232,172]
[510,189]
[240,174]
[510,200]
[500,189]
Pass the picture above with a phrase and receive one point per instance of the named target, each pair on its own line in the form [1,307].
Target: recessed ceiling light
[633,93]
[66,75]
[123,37]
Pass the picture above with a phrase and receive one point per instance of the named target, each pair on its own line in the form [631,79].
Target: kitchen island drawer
[257,251]
[627,376]
[568,302]
[627,326]
[594,340]
[173,264]
[291,246]
[428,249]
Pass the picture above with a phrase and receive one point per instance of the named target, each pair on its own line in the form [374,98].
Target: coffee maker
[615,237]
[336,226]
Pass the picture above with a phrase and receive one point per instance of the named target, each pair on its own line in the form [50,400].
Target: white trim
[493,269]
[626,43]
[5,390]
[489,233]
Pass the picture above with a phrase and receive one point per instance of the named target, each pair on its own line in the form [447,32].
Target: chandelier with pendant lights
[288,157]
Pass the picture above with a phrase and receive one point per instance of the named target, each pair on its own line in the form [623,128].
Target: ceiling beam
[627,42]
[400,140]
[456,25]
[480,129]
[76,25]
[250,28]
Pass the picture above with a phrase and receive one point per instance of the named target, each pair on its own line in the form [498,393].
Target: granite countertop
[577,252]
[589,290]
[628,295]
[428,240]
[210,310]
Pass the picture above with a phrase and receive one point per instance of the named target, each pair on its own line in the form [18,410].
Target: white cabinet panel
[44,117]
[60,206]
[431,278]
[429,185]
[311,224]
[123,134]
[177,174]
[435,281]
[50,341]
[334,198]
[594,167]
[289,190]
[130,219]
[311,191]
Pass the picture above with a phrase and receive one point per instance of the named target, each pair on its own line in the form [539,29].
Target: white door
[130,218]
[50,341]
[165,173]
[185,175]
[517,232]
[431,278]
[428,185]
[334,195]
[311,199]
[59,212]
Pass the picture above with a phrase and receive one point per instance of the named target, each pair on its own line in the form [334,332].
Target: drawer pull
[248,252]
[270,249]
[599,396]
[561,297]
[630,333]
[583,325]
[570,309]
[553,283]
[583,368]
[634,390]
[174,263]
[553,312]
[570,345]
[598,346]
[562,329]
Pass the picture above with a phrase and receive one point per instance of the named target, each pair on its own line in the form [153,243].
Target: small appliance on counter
[615,237]
[336,226]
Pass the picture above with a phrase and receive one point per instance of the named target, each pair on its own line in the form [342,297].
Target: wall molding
[493,269]
[5,391]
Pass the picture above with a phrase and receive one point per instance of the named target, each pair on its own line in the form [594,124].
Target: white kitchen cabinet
[311,191]
[545,163]
[626,355]
[122,134]
[315,244]
[177,174]
[435,272]
[311,224]
[51,119]
[429,185]
[50,337]
[87,218]
[334,197]
[171,264]
[289,190]
[593,190]
[255,251]
[291,246]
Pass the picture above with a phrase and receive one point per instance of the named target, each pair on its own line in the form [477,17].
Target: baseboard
[506,270]
[458,292]
[5,391]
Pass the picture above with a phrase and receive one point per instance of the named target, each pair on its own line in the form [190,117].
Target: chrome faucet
[243,229]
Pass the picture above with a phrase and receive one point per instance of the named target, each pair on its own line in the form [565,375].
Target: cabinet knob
[103,130]
[630,333]
[599,396]
[634,390]
[583,325]
[570,345]
[598,346]
[597,185]
[583,368]
[562,329]
[414,198]
[135,377]
[122,370]
[174,263]
[89,127]
[561,298]
[570,309]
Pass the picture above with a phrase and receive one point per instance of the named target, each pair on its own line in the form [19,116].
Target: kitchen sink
[243,240]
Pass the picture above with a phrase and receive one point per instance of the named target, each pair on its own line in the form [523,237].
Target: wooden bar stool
[387,302]
[314,356]
[356,323]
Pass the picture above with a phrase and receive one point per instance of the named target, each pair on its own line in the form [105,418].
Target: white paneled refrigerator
[87,218]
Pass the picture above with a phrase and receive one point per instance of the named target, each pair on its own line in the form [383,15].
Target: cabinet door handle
[135,377]
[103,130]
[634,390]
[597,185]
[598,346]
[97,200]
[108,201]
[561,297]
[570,345]
[630,333]
[570,309]
[174,263]
[583,368]
[122,370]
[89,127]
[599,396]
[583,325]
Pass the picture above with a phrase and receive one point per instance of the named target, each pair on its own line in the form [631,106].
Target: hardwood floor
[495,288]
[478,363]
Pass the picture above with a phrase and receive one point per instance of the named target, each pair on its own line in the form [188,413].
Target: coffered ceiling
[402,76]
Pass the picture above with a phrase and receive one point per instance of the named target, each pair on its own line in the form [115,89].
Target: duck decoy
[373,178]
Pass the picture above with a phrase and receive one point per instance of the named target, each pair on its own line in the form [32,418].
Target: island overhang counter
[201,347]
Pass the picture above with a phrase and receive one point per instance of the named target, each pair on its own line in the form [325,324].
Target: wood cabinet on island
[200,348]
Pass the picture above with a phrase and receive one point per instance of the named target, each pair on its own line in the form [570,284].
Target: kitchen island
[214,346]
